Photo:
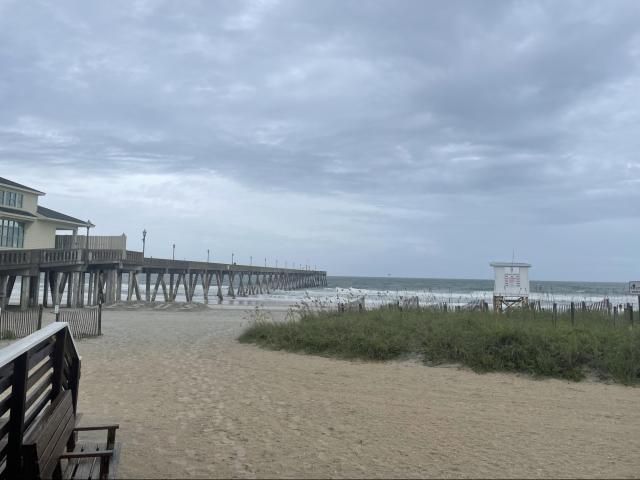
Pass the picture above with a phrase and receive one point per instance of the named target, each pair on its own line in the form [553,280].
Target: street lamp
[174,252]
[207,255]
[231,258]
[265,262]
[250,260]
[144,240]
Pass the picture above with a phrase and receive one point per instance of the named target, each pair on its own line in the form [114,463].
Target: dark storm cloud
[530,108]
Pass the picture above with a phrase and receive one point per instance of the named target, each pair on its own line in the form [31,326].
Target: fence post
[58,363]
[615,315]
[631,314]
[16,415]
[573,313]
[99,319]
[555,314]
[40,317]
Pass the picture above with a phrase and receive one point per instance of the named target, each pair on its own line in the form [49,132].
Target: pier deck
[91,276]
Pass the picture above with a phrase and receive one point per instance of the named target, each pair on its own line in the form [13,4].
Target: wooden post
[40,308]
[219,280]
[555,314]
[24,292]
[147,287]
[631,314]
[16,416]
[573,313]
[118,285]
[100,319]
[129,285]
[34,293]
[69,281]
[615,314]
[58,363]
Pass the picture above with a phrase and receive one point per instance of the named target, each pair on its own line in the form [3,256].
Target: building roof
[61,217]
[9,183]
[15,211]
[510,264]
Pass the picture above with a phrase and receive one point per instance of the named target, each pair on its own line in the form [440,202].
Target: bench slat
[37,375]
[86,465]
[59,445]
[89,467]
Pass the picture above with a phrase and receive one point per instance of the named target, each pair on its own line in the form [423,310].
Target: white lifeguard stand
[511,287]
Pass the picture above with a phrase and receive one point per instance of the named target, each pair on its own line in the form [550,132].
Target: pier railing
[16,257]
[96,242]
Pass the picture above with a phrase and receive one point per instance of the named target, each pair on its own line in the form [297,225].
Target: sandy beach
[192,402]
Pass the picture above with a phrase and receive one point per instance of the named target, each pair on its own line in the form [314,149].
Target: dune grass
[482,341]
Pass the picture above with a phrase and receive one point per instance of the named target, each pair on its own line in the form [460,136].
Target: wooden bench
[50,448]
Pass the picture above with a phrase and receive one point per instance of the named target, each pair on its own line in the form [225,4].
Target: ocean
[383,290]
[430,291]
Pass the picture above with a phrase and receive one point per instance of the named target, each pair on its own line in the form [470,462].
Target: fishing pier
[77,277]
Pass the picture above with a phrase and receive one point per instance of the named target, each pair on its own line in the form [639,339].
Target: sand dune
[194,403]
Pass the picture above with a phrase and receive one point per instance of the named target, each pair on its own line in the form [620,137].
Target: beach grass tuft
[518,342]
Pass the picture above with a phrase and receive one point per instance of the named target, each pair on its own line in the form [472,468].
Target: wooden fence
[355,305]
[19,323]
[83,322]
[95,242]
[33,372]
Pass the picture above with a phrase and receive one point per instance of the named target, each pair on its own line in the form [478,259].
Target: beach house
[25,224]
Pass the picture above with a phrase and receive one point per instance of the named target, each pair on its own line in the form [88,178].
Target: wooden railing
[95,242]
[19,323]
[53,257]
[105,256]
[134,257]
[33,372]
[61,256]
[15,257]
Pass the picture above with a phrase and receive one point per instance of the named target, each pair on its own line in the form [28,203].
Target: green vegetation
[517,342]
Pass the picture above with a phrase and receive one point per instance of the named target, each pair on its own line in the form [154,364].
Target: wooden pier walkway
[92,276]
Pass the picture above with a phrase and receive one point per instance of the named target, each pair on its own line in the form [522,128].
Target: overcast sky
[414,138]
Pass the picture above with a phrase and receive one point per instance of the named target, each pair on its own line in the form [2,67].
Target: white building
[25,224]
[511,284]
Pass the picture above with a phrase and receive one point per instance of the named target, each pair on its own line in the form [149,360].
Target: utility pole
[174,252]
[231,258]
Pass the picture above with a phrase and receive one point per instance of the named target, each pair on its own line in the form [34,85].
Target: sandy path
[194,403]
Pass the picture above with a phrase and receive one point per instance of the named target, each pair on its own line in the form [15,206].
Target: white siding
[40,234]
[511,281]
[30,202]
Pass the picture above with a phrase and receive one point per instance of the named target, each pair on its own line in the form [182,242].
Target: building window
[11,199]
[11,233]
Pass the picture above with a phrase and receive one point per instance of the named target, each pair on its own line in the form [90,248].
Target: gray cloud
[495,117]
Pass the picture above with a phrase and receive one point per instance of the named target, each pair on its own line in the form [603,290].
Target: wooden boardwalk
[93,276]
